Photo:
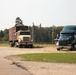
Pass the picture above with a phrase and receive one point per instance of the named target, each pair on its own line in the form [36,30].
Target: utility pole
[33,31]
[40,25]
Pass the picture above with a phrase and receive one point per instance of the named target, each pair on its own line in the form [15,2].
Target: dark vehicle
[67,38]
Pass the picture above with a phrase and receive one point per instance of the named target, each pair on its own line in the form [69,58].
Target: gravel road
[16,67]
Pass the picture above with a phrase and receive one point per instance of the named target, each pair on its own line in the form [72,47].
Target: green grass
[50,57]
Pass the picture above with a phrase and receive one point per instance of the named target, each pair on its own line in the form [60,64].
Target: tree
[1,34]
[6,36]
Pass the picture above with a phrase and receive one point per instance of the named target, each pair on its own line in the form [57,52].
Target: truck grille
[63,42]
[26,39]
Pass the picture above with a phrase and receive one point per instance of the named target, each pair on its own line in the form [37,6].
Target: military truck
[20,36]
[67,38]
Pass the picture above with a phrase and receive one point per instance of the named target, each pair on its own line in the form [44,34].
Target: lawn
[50,57]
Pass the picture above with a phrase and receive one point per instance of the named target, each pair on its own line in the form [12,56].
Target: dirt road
[17,67]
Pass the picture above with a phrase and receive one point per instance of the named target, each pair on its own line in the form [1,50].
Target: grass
[4,45]
[50,57]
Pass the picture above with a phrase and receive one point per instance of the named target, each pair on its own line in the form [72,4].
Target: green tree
[6,35]
[1,34]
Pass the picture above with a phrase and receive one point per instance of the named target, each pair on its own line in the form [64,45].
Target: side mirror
[57,36]
[56,39]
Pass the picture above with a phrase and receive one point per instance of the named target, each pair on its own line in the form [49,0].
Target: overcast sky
[46,12]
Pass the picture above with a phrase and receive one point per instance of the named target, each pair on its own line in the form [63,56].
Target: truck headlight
[31,41]
[20,40]
[57,43]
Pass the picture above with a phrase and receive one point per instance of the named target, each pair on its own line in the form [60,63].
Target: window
[69,28]
[24,33]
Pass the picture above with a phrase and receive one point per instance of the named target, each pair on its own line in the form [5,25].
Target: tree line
[40,34]
[4,35]
[45,34]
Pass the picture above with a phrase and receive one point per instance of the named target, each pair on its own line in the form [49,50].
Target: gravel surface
[41,68]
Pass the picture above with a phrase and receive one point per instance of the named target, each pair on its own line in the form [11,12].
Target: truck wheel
[16,45]
[11,44]
[20,46]
[31,46]
[58,49]
[72,48]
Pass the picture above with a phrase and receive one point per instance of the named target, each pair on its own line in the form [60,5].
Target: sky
[46,12]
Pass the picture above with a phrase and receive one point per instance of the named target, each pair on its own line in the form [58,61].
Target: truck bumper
[64,47]
[25,44]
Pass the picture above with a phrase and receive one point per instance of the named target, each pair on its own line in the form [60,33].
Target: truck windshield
[24,33]
[66,36]
[69,28]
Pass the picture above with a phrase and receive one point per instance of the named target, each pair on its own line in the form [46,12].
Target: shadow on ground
[68,50]
[33,47]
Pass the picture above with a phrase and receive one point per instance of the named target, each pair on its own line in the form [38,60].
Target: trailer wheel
[11,44]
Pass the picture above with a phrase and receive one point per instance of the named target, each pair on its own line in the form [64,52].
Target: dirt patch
[43,68]
[14,58]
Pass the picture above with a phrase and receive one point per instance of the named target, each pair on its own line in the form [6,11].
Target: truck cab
[67,38]
[24,38]
[20,36]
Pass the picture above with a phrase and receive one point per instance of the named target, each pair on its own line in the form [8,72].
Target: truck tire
[16,45]
[11,44]
[20,46]
[74,46]
[58,49]
[31,46]
[71,49]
